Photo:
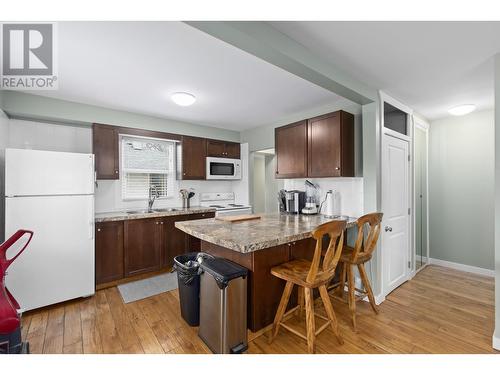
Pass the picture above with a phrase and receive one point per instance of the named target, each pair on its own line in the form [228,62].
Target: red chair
[10,320]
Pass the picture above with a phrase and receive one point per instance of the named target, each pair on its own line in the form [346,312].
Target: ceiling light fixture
[461,110]
[183,99]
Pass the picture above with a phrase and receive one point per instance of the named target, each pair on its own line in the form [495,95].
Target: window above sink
[147,162]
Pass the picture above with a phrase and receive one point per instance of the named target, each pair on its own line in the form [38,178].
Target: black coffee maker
[295,201]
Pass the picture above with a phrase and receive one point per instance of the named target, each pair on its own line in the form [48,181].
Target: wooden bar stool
[357,256]
[308,275]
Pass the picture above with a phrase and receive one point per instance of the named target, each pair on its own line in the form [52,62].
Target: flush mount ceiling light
[183,99]
[461,110]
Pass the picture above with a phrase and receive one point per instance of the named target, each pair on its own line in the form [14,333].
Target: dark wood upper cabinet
[105,146]
[331,145]
[194,152]
[142,245]
[327,142]
[291,150]
[105,149]
[223,149]
[233,150]
[216,148]
[109,251]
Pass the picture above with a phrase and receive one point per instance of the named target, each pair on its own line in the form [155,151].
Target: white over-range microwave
[223,169]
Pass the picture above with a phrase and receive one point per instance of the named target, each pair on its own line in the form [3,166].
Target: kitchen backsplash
[349,192]
[108,195]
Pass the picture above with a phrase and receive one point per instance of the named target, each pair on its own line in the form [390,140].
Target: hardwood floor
[439,311]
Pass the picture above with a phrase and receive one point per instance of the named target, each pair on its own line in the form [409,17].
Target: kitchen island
[260,245]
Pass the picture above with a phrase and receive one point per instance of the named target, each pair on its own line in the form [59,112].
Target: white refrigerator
[52,194]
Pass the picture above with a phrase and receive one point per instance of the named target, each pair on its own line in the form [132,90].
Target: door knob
[388,228]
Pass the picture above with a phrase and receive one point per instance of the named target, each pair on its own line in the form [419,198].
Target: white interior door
[395,206]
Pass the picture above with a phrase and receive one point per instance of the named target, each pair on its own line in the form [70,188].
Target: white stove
[224,204]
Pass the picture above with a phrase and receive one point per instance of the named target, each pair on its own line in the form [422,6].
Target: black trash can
[188,279]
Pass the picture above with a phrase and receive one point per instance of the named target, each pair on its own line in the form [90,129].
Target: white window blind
[147,162]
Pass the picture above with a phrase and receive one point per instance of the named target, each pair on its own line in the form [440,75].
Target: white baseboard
[379,299]
[496,341]
[462,267]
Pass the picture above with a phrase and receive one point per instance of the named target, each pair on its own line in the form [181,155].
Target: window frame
[170,176]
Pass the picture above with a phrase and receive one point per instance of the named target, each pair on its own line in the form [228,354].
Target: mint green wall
[42,108]
[371,181]
[461,189]
[420,195]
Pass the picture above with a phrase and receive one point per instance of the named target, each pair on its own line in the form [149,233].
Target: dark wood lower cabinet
[142,248]
[108,251]
[133,247]
[175,241]
[264,289]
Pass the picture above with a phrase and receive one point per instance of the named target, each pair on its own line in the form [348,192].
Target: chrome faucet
[153,194]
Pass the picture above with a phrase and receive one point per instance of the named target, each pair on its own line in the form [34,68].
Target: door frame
[384,98]
[421,124]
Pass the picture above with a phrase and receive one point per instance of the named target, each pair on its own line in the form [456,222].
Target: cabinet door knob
[337,168]
[116,172]
[161,222]
[98,229]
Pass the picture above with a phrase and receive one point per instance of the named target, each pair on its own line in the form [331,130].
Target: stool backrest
[335,230]
[366,247]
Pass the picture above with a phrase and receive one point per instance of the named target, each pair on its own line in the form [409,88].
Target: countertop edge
[121,216]
[246,249]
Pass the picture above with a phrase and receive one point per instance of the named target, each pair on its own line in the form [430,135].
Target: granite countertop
[247,236]
[123,215]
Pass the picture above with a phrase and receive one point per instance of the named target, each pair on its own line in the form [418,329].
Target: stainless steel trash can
[223,306]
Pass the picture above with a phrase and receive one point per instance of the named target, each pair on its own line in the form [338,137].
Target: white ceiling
[135,66]
[430,66]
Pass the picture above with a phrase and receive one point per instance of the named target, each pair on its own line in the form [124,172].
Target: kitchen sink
[141,212]
[167,209]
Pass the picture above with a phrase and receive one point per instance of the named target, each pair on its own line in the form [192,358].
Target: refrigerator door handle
[91,222]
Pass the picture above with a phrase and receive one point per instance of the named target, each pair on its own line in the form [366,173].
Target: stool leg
[342,280]
[311,329]
[281,309]
[301,300]
[368,288]
[330,312]
[352,298]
